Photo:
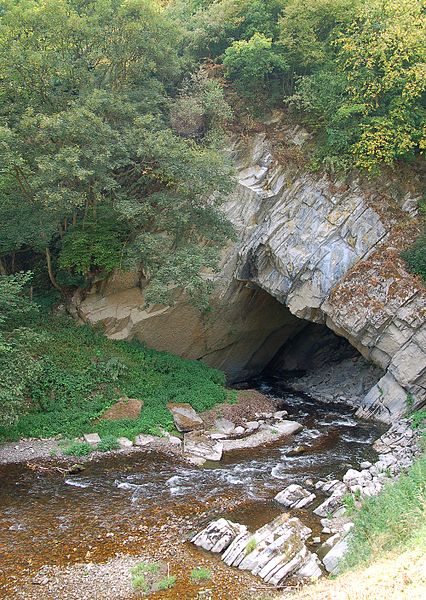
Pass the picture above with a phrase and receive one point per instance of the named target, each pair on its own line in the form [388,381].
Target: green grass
[200,574]
[251,545]
[78,449]
[139,583]
[142,568]
[166,583]
[107,444]
[395,519]
[83,373]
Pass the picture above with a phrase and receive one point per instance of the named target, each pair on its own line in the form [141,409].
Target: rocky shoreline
[279,550]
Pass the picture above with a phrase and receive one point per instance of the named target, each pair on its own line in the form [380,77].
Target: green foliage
[248,63]
[19,366]
[389,520]
[81,373]
[418,419]
[94,175]
[415,257]
[166,583]
[78,449]
[139,583]
[251,545]
[108,443]
[200,574]
[142,568]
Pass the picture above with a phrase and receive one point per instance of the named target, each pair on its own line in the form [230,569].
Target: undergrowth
[395,519]
[82,373]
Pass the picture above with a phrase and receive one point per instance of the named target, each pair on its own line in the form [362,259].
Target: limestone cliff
[310,248]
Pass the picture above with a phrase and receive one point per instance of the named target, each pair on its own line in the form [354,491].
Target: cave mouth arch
[307,356]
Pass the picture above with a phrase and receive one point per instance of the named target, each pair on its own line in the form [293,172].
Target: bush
[166,583]
[415,257]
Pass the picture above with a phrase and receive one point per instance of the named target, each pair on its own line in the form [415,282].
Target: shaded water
[123,503]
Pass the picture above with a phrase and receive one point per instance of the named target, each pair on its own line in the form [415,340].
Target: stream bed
[150,502]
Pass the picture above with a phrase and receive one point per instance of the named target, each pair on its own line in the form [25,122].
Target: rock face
[310,249]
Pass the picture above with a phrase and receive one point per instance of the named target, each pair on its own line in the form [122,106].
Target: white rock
[264,435]
[294,496]
[280,414]
[238,430]
[334,556]
[144,440]
[91,438]
[252,425]
[218,535]
[198,444]
[224,426]
[124,442]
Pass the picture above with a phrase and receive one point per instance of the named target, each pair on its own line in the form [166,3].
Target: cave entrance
[308,357]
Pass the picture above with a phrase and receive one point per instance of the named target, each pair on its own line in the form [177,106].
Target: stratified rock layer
[310,249]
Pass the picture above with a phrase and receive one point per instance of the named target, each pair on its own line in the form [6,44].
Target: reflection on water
[55,520]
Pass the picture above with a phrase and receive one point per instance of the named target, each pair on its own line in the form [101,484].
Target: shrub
[251,545]
[139,583]
[142,568]
[415,257]
[200,574]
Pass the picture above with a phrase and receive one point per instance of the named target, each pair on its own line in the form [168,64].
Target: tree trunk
[2,268]
[50,270]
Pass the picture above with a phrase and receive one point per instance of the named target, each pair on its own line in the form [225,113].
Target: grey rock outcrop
[273,552]
[294,496]
[311,248]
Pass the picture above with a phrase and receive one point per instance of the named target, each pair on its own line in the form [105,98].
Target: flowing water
[123,503]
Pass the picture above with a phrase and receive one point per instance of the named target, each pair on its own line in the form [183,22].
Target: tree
[248,63]
[88,150]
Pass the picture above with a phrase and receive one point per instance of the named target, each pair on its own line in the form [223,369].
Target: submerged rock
[185,417]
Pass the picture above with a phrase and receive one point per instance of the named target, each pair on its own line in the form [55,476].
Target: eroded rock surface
[310,249]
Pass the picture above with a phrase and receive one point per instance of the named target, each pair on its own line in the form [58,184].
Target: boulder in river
[200,445]
[185,417]
[294,496]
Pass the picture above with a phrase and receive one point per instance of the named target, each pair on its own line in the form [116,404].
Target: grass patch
[77,449]
[143,568]
[394,519]
[200,574]
[139,583]
[251,545]
[166,583]
[107,444]
[83,373]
